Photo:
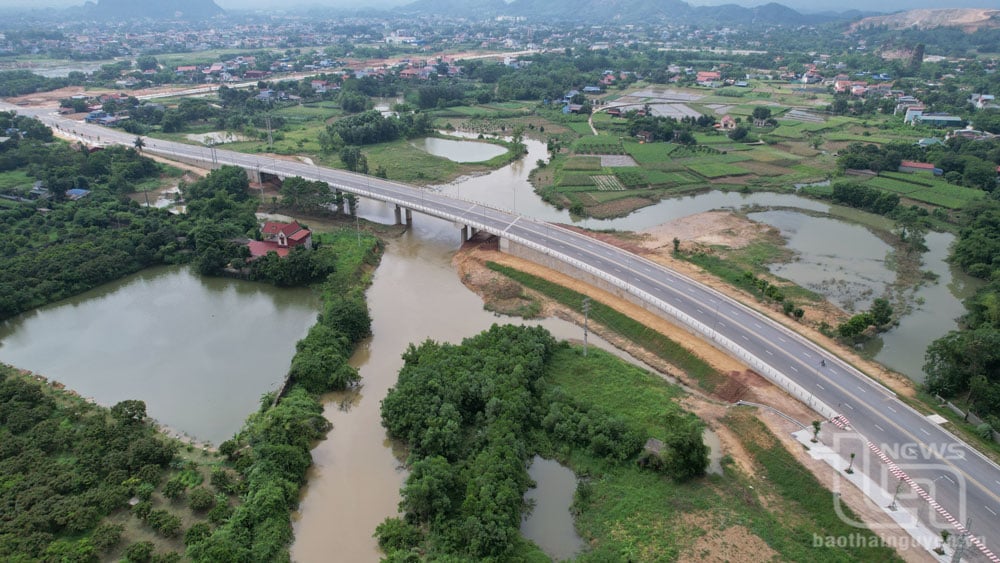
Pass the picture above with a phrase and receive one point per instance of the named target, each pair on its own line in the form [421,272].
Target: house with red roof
[914,166]
[280,238]
[708,77]
[727,123]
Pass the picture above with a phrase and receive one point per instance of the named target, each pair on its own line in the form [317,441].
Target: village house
[280,238]
[913,166]
[938,120]
[708,78]
[983,101]
[727,123]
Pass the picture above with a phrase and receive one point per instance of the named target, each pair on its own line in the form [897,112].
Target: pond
[842,261]
[937,306]
[199,351]
[550,523]
[460,151]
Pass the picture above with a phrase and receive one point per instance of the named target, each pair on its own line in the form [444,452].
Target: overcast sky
[801,5]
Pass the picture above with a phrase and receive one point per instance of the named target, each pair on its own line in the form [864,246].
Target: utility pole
[586,315]
[960,542]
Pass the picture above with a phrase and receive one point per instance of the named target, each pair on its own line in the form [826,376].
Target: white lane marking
[890,408]
[769,353]
[700,312]
[950,480]
[924,430]
[848,405]
[795,369]
[991,510]
[722,324]
[783,340]
[735,312]
[678,299]
[997,482]
[821,387]
[808,355]
[860,388]
[758,325]
[880,428]
[744,337]
[690,289]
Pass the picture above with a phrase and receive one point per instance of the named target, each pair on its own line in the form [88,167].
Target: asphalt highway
[962,483]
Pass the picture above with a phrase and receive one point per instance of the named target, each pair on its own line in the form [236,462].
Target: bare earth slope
[969,19]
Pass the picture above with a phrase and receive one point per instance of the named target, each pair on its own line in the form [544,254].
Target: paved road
[962,482]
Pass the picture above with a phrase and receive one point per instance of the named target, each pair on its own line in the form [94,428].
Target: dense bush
[65,467]
[864,197]
[465,412]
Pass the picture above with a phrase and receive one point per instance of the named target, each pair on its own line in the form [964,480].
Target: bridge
[954,480]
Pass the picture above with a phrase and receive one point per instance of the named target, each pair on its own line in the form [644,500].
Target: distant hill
[968,19]
[621,11]
[157,10]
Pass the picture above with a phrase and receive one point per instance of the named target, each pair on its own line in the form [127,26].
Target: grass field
[650,153]
[715,170]
[927,189]
[581,128]
[15,180]
[576,179]
[582,163]
[626,513]
[600,144]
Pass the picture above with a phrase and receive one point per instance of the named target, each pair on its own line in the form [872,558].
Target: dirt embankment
[713,228]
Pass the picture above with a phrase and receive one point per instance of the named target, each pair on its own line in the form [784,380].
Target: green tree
[174,488]
[197,533]
[426,495]
[200,499]
[684,454]
[762,113]
[107,535]
[146,62]
[395,534]
[881,312]
[139,552]
[129,412]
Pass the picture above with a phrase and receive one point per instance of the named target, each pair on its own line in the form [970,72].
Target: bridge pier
[467,233]
[403,215]
[254,175]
